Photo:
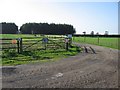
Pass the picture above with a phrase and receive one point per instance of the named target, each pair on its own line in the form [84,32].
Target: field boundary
[111,42]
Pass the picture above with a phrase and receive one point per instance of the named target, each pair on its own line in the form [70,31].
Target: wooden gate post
[67,46]
[20,45]
[66,43]
[70,42]
[98,40]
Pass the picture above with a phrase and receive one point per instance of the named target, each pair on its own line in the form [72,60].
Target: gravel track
[85,70]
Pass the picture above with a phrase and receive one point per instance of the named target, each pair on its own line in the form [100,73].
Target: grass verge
[40,56]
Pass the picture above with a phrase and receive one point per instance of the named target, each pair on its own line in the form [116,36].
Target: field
[34,53]
[103,41]
[22,35]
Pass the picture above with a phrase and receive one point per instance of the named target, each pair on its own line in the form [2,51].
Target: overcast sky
[84,16]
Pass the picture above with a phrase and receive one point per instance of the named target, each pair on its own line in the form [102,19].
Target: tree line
[45,28]
[9,28]
[38,28]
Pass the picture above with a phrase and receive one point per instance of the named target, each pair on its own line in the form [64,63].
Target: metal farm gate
[43,43]
[11,44]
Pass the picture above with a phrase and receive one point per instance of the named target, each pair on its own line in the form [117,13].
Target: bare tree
[92,33]
[106,32]
[84,32]
[97,33]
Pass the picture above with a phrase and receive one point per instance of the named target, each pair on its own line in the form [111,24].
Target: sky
[84,15]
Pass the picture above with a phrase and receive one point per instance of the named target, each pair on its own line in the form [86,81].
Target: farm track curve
[85,70]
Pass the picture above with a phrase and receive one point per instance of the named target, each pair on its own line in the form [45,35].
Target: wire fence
[111,42]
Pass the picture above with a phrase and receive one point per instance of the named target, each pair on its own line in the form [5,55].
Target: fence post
[98,40]
[66,43]
[70,42]
[20,45]
[67,46]
[45,45]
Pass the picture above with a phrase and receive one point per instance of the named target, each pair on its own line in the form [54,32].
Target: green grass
[16,36]
[25,36]
[107,42]
[40,56]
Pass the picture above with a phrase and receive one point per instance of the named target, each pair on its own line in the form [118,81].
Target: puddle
[57,75]
[8,70]
[81,71]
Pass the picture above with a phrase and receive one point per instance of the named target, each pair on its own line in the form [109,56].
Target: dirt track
[86,70]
